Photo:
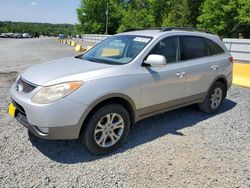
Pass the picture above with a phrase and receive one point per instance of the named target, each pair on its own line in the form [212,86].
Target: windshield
[117,49]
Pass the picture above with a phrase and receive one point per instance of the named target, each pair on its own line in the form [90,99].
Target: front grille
[26,86]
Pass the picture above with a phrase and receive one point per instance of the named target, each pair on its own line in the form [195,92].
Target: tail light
[231,59]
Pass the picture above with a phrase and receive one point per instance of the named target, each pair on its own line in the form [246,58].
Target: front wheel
[216,95]
[106,129]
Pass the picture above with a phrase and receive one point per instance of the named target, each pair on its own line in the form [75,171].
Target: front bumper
[53,133]
[61,119]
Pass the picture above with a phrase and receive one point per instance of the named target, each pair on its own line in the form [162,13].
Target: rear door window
[193,47]
[213,47]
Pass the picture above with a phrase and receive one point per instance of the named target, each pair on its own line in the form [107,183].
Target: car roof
[146,33]
[155,33]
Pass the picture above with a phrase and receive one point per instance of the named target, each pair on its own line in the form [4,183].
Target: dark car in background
[17,35]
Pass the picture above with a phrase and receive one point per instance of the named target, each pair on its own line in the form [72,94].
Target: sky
[45,11]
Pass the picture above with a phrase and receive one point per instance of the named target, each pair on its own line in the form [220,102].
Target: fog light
[43,130]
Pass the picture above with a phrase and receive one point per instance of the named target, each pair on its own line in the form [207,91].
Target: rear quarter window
[213,47]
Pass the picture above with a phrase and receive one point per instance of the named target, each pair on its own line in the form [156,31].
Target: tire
[208,105]
[98,130]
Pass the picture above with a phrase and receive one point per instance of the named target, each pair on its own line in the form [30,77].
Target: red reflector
[231,59]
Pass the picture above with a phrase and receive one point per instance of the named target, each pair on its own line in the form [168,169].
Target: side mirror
[155,60]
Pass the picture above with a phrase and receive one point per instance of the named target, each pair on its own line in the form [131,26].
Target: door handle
[180,74]
[214,67]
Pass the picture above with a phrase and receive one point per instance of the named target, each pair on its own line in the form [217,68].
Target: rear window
[213,47]
[193,47]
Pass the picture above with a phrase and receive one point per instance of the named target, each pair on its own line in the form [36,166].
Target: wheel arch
[115,98]
[221,79]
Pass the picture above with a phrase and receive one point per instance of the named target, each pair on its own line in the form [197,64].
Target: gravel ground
[182,148]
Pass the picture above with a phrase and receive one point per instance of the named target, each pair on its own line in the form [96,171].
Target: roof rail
[141,29]
[132,29]
[184,29]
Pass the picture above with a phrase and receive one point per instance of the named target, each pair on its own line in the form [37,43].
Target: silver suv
[99,95]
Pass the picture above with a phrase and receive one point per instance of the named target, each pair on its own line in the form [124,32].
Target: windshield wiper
[94,60]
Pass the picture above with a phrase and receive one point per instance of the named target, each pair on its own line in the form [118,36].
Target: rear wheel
[106,129]
[214,99]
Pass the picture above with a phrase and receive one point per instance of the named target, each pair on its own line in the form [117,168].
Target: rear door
[202,68]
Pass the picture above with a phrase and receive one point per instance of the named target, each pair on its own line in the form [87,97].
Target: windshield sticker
[141,39]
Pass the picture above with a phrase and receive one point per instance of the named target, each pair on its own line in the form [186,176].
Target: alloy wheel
[109,130]
[216,98]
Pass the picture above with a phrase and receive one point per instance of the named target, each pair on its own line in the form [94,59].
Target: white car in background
[26,35]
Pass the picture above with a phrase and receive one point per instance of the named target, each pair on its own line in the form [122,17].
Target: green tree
[137,15]
[160,9]
[225,17]
[179,15]
[194,6]
[92,15]
[140,14]
[244,12]
[37,28]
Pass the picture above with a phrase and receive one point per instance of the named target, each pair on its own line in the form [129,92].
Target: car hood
[63,70]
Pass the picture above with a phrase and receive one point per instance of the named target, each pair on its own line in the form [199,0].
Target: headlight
[50,94]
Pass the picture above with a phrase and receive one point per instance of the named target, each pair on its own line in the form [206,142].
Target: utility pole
[107,18]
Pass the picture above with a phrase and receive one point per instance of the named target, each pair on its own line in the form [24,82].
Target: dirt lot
[182,148]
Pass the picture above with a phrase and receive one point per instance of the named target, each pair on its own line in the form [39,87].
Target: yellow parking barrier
[89,47]
[64,41]
[68,42]
[111,52]
[73,43]
[79,48]
[241,74]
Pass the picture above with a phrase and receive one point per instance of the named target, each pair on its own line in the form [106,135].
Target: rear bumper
[52,133]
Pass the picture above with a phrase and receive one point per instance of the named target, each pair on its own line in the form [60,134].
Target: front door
[163,87]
